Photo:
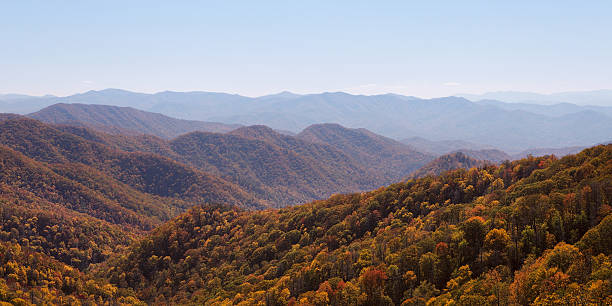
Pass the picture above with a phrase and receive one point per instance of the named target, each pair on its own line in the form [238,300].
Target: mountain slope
[285,175]
[452,161]
[31,277]
[510,233]
[124,120]
[145,172]
[25,174]
[375,151]
[282,169]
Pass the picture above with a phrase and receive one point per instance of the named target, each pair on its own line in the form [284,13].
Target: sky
[419,48]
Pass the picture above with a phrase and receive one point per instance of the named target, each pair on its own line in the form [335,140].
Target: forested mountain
[280,169]
[375,151]
[67,199]
[284,175]
[391,115]
[144,172]
[79,201]
[6,116]
[124,120]
[451,161]
[535,230]
[31,278]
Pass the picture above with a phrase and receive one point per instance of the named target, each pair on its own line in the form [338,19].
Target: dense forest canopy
[535,230]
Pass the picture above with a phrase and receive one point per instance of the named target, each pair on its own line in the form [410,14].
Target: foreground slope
[28,277]
[535,230]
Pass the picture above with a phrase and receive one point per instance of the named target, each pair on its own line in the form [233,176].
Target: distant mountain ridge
[394,116]
[443,146]
[120,119]
[559,152]
[601,97]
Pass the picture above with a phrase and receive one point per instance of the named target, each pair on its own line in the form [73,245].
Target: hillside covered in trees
[448,162]
[94,218]
[276,169]
[533,231]
[376,151]
[142,171]
[31,278]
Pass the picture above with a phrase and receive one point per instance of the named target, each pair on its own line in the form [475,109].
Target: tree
[496,241]
[474,230]
[372,283]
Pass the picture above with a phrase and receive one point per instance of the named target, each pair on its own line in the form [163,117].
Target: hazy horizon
[458,94]
[419,49]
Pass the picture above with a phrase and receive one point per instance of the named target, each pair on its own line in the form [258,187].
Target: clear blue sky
[422,48]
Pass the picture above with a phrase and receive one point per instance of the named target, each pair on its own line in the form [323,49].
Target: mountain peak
[255,131]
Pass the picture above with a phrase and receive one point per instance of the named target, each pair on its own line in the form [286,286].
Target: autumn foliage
[535,230]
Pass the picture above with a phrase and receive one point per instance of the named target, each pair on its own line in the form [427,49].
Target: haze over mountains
[601,97]
[506,126]
[125,120]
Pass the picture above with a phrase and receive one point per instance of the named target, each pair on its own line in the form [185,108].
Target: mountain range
[594,98]
[275,169]
[251,215]
[506,126]
[122,120]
